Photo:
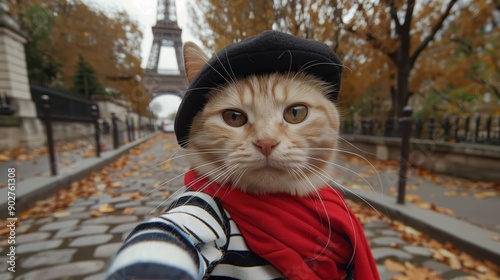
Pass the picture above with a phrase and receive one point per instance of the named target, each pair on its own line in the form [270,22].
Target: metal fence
[64,106]
[471,129]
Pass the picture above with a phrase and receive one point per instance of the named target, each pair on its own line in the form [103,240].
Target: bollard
[97,130]
[114,130]
[488,129]
[447,128]
[477,122]
[132,127]
[129,129]
[48,129]
[466,133]
[457,127]
[431,128]
[405,125]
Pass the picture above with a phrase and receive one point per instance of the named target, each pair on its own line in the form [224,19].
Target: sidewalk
[33,178]
[470,201]
[74,234]
[450,209]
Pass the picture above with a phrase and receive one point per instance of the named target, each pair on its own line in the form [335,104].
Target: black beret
[268,52]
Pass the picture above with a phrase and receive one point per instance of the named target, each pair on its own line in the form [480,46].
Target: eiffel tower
[166,33]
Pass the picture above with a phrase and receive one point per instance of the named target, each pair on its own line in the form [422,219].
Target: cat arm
[179,244]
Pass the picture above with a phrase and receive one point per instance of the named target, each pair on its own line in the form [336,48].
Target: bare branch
[395,18]
[433,32]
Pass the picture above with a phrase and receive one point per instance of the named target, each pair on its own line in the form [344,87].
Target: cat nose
[266,146]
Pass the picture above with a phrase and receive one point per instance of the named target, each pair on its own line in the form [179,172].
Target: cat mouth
[269,168]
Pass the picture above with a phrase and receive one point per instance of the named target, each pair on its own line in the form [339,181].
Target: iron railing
[474,128]
[64,106]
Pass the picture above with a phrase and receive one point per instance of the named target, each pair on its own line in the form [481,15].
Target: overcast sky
[144,12]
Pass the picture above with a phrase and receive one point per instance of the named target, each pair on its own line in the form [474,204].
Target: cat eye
[234,118]
[295,114]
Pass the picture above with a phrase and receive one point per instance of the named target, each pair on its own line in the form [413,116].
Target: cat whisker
[312,170]
[343,168]
[324,208]
[174,178]
[354,146]
[343,188]
[184,155]
[351,153]
[202,177]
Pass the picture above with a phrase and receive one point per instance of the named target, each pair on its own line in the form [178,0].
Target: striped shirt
[195,238]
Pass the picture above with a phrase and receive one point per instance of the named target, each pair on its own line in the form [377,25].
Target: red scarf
[292,233]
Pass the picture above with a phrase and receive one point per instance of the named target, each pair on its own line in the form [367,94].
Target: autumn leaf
[394,266]
[116,184]
[61,214]
[106,208]
[128,211]
[95,214]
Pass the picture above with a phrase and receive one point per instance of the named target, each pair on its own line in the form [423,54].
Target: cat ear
[194,60]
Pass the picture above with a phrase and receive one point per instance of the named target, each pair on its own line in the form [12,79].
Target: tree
[109,40]
[85,81]
[396,36]
[42,68]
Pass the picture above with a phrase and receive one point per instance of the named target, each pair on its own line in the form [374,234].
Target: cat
[258,204]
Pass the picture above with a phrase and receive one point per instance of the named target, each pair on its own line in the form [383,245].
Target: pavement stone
[385,241]
[418,250]
[83,203]
[145,210]
[436,266]
[64,271]
[110,220]
[24,227]
[99,196]
[375,224]
[77,209]
[127,204]
[38,246]
[107,250]
[91,240]
[124,228]
[32,237]
[369,234]
[156,203]
[44,221]
[51,257]
[59,225]
[390,232]
[114,200]
[81,230]
[83,215]
[384,273]
[380,254]
[7,276]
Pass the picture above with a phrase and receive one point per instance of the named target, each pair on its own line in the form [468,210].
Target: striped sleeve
[179,244]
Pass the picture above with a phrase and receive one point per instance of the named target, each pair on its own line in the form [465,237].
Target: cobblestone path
[77,244]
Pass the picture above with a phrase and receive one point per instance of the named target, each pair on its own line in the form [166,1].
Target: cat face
[264,134]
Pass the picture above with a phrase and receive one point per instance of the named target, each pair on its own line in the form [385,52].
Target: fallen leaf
[95,214]
[485,194]
[61,214]
[4,158]
[128,211]
[116,184]
[394,266]
[106,208]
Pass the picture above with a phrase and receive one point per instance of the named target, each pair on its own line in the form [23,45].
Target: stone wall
[470,161]
[21,127]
